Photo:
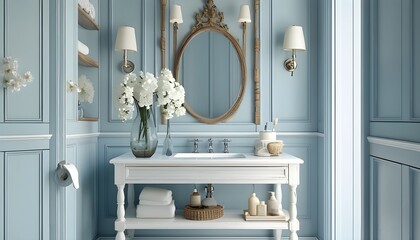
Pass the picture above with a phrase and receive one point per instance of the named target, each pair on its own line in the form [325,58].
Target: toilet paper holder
[66,174]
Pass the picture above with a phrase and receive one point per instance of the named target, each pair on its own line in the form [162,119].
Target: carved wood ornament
[210,16]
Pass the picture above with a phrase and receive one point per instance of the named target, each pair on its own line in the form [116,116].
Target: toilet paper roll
[66,174]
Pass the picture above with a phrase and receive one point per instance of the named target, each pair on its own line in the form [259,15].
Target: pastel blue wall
[39,126]
[24,124]
[33,130]
[295,100]
[391,45]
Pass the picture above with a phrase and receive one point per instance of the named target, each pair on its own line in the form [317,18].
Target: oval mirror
[211,67]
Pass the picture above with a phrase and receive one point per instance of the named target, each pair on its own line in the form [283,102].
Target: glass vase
[79,110]
[143,138]
[167,144]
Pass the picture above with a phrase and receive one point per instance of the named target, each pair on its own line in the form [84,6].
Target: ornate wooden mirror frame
[256,58]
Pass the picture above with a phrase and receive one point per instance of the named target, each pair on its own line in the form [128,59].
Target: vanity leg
[279,197]
[130,208]
[120,223]
[293,222]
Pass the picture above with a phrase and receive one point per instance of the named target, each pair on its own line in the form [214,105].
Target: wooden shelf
[86,60]
[86,21]
[90,119]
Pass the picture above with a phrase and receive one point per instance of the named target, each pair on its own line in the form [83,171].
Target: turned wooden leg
[279,196]
[120,223]
[293,222]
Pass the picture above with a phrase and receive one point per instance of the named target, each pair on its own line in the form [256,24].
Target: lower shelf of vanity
[230,220]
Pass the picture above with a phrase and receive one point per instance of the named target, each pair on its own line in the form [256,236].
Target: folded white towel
[148,211]
[155,203]
[155,194]
[82,48]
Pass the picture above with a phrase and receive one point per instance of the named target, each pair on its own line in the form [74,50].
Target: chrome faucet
[195,146]
[226,145]
[210,145]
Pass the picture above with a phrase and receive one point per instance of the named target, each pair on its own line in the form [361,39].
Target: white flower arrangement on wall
[11,78]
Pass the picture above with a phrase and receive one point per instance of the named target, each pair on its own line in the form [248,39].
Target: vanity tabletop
[184,159]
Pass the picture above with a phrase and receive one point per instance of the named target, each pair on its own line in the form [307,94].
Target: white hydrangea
[142,87]
[138,89]
[171,95]
[86,89]
[11,78]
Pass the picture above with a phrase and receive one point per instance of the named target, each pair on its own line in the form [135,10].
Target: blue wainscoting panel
[415,200]
[25,195]
[387,47]
[82,204]
[415,40]
[2,195]
[385,203]
[294,99]
[24,41]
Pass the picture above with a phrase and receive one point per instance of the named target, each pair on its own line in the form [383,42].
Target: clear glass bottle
[167,144]
[79,110]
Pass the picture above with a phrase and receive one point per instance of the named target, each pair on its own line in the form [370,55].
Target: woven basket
[203,213]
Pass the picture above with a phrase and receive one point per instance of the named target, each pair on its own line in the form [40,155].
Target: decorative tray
[265,218]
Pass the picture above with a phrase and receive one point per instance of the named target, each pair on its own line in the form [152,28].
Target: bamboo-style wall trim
[163,33]
[257,50]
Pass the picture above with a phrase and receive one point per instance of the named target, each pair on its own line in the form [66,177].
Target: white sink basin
[209,155]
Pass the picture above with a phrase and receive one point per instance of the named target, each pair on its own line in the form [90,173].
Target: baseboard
[206,238]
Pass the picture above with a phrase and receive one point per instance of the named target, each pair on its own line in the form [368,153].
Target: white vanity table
[247,169]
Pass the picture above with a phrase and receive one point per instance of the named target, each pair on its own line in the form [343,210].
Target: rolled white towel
[155,194]
[82,48]
[148,211]
[155,203]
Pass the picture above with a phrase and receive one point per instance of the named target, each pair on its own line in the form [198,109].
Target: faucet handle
[210,150]
[226,145]
[195,145]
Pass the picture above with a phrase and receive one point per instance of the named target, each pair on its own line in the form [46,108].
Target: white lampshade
[294,39]
[244,14]
[176,14]
[126,39]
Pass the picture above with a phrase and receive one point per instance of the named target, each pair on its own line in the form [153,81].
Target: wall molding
[214,134]
[25,137]
[82,136]
[411,146]
[207,238]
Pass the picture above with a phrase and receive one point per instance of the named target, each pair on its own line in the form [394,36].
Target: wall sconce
[126,41]
[293,40]
[175,18]
[244,18]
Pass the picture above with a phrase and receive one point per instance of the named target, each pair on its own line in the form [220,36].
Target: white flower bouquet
[138,91]
[141,89]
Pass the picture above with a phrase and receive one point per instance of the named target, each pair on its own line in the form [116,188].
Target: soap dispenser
[209,200]
[272,205]
[195,199]
[253,201]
